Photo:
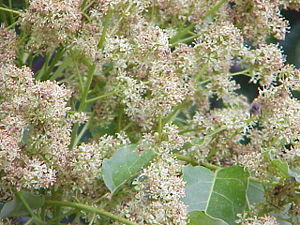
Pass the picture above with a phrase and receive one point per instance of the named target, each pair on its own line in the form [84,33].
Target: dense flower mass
[50,23]
[83,80]
[8,45]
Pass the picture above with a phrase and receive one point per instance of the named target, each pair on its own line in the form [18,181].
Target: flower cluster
[155,74]
[265,220]
[32,118]
[159,190]
[7,45]
[259,18]
[50,23]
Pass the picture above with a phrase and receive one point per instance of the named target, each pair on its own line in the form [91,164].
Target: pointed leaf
[199,186]
[281,167]
[255,192]
[200,218]
[16,207]
[123,165]
[221,194]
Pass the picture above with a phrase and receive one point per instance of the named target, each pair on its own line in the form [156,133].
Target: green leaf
[123,165]
[221,194]
[16,207]
[295,173]
[200,218]
[281,167]
[199,183]
[255,192]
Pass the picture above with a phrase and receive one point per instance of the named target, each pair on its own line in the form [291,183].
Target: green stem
[11,14]
[186,30]
[160,125]
[29,222]
[104,31]
[185,40]
[42,71]
[87,208]
[243,72]
[86,88]
[173,114]
[126,11]
[216,131]
[190,130]
[54,61]
[119,120]
[181,33]
[58,218]
[83,103]
[201,71]
[29,210]
[213,10]
[193,162]
[92,220]
[79,136]
[10,10]
[88,6]
[59,71]
[83,4]
[205,81]
[11,25]
[186,159]
[209,166]
[153,10]
[101,96]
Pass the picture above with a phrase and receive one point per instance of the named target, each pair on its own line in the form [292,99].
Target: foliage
[130,112]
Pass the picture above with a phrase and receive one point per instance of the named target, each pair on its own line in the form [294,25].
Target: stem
[58,218]
[153,10]
[81,133]
[29,210]
[193,162]
[190,38]
[160,125]
[119,120]
[205,81]
[105,23]
[181,33]
[191,130]
[186,30]
[11,25]
[239,73]
[10,14]
[10,10]
[126,11]
[86,88]
[100,212]
[243,72]
[209,166]
[88,6]
[83,4]
[186,159]
[83,103]
[201,71]
[92,220]
[101,96]
[173,114]
[41,72]
[53,62]
[214,9]
[216,131]
[29,222]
